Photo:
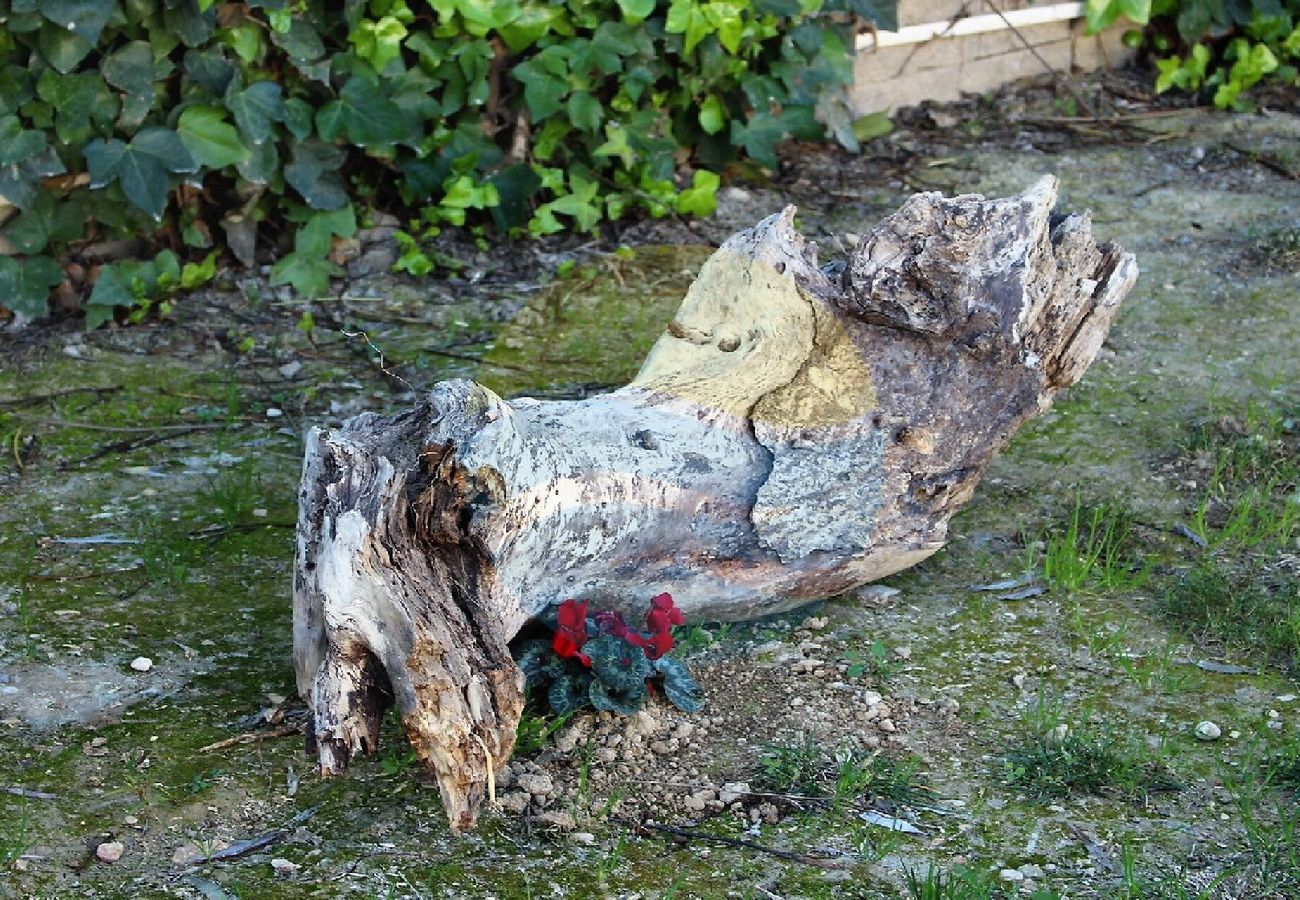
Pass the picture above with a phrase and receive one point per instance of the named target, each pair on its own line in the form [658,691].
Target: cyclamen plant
[602,661]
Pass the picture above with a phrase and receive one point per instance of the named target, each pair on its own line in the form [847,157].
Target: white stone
[142,664]
[110,851]
[1011,875]
[1208,731]
[283,866]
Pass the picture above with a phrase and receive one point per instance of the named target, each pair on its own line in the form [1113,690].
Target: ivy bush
[278,124]
[1226,46]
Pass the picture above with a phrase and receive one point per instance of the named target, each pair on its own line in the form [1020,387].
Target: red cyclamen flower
[572,632]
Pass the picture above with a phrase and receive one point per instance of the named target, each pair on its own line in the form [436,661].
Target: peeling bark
[796,432]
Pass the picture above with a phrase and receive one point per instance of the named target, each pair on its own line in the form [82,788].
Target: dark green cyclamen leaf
[314,174]
[623,703]
[371,119]
[62,49]
[297,118]
[617,663]
[16,144]
[19,182]
[84,18]
[534,660]
[210,139]
[210,70]
[25,283]
[187,22]
[256,108]
[568,693]
[131,69]
[680,688]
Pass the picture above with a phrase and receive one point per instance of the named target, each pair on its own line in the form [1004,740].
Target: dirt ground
[938,735]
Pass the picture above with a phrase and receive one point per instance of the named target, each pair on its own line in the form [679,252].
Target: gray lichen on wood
[796,432]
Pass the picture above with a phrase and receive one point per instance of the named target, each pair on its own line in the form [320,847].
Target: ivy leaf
[701,198]
[301,42]
[255,108]
[314,174]
[545,78]
[84,18]
[713,115]
[515,187]
[759,136]
[625,703]
[687,18]
[378,42]
[44,220]
[210,139]
[210,70]
[297,118]
[585,111]
[881,13]
[81,102]
[19,181]
[622,667]
[143,166]
[189,21]
[61,48]
[682,691]
[371,119]
[307,269]
[25,283]
[16,144]
[636,11]
[131,69]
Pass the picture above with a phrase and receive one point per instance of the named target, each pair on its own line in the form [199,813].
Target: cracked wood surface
[797,431]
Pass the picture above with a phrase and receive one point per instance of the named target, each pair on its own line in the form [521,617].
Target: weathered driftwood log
[796,432]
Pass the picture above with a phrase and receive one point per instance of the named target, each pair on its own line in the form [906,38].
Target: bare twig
[29,794]
[380,364]
[253,737]
[125,429]
[252,845]
[37,399]
[690,834]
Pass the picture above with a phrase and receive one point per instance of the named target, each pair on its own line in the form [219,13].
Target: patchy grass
[807,771]
[1238,611]
[1058,758]
[958,883]
[1096,548]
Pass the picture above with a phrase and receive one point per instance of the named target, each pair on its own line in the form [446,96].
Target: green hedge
[194,122]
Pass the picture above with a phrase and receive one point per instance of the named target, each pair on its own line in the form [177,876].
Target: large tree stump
[797,431]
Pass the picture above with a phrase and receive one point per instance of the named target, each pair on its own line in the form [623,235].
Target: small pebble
[1011,875]
[259,513]
[283,866]
[142,664]
[110,851]
[1208,731]
[274,413]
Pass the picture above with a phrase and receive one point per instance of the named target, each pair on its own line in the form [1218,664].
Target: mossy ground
[179,454]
